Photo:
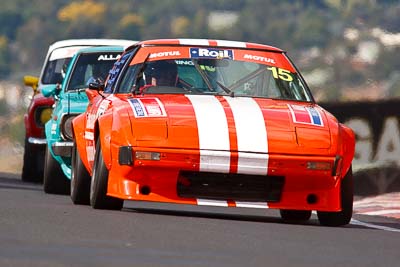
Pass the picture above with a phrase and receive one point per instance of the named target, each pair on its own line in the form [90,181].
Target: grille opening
[239,187]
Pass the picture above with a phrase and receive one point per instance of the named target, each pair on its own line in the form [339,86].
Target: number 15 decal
[282,74]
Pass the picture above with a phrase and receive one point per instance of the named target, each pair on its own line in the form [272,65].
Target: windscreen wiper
[226,89]
[203,75]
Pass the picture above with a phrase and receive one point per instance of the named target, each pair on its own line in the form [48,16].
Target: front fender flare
[103,131]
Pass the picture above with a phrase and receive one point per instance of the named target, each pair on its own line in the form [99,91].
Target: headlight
[42,115]
[66,127]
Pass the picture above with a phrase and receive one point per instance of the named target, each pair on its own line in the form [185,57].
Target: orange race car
[211,122]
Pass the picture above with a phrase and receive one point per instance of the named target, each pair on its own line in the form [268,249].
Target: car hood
[223,123]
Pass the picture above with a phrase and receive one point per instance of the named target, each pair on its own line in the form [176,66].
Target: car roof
[114,48]
[90,42]
[208,42]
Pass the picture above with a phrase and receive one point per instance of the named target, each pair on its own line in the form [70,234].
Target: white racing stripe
[254,205]
[89,135]
[213,133]
[251,135]
[193,42]
[231,43]
[251,163]
[209,202]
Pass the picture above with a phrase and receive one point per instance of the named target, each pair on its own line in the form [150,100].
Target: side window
[115,71]
[128,80]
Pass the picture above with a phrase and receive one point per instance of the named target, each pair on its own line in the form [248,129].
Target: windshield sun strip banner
[267,58]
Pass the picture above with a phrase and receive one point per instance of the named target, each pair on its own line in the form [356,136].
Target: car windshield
[90,67]
[224,76]
[54,70]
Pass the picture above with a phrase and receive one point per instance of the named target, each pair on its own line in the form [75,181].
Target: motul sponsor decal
[259,58]
[165,54]
[305,115]
[147,107]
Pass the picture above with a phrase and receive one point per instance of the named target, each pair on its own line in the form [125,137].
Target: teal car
[87,65]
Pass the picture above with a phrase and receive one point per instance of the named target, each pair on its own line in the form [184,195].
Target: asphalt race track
[48,230]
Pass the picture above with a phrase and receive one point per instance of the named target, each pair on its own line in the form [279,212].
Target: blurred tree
[85,19]
[312,29]
[180,26]
[130,26]
[34,37]
[9,21]
[4,57]
[85,9]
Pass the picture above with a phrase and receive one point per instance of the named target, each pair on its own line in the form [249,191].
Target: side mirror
[31,81]
[96,86]
[50,90]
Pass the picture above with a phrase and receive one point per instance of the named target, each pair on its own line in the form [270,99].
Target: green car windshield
[90,67]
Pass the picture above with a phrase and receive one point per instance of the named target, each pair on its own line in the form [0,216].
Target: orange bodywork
[176,137]
[221,136]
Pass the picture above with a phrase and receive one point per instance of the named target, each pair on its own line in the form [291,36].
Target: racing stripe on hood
[213,132]
[251,135]
[238,204]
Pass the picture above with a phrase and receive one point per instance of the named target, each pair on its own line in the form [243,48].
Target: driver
[99,73]
[161,73]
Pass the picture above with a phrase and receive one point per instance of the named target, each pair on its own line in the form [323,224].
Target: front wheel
[54,181]
[98,186]
[346,194]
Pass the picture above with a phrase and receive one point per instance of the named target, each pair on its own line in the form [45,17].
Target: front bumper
[37,141]
[63,149]
[161,180]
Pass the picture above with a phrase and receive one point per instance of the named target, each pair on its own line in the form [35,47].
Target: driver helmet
[164,71]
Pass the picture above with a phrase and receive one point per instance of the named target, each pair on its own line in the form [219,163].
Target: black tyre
[295,215]
[98,186]
[346,194]
[32,169]
[80,179]
[54,181]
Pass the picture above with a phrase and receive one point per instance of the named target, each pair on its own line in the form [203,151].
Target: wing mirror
[51,90]
[96,86]
[31,81]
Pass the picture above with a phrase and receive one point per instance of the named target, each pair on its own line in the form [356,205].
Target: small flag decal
[305,115]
